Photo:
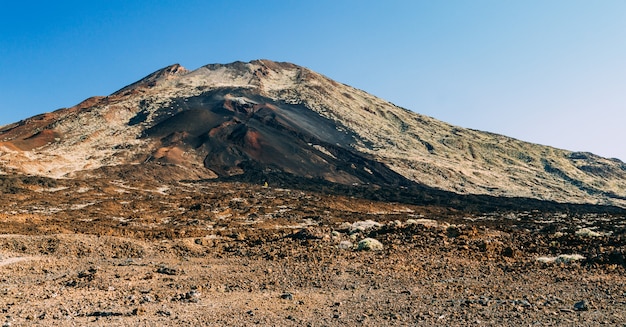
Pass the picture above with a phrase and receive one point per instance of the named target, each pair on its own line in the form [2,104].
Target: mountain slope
[263,116]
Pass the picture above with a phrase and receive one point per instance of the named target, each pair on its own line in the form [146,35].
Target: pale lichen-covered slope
[418,147]
[90,135]
[86,139]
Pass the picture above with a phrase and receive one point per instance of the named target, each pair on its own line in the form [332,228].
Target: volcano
[261,120]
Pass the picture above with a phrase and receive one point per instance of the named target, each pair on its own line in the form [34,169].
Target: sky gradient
[548,72]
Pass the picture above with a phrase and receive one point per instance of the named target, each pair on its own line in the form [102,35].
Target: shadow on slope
[416,194]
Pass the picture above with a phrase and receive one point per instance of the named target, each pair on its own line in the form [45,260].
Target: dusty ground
[98,252]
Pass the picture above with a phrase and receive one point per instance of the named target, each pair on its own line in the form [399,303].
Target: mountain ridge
[218,118]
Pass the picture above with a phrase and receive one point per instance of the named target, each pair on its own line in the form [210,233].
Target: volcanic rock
[265,121]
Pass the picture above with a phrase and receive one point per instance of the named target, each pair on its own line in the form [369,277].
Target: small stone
[581,305]
[193,296]
[205,241]
[146,299]
[167,271]
[287,296]
[164,313]
[138,311]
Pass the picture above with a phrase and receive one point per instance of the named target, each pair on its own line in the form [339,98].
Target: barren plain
[133,252]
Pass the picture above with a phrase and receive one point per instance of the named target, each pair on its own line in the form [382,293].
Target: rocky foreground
[141,253]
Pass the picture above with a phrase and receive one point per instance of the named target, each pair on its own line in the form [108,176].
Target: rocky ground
[144,253]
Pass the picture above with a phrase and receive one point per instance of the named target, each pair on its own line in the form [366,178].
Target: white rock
[586,232]
[563,258]
[362,226]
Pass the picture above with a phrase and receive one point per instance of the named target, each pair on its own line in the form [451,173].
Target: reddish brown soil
[99,252]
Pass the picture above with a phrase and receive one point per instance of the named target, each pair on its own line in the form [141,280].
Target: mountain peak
[155,78]
[241,65]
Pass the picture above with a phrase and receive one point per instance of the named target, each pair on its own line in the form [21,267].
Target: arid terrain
[264,193]
[101,252]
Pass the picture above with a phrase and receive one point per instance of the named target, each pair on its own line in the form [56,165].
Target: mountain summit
[261,118]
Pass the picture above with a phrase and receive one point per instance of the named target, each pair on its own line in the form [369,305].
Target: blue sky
[550,72]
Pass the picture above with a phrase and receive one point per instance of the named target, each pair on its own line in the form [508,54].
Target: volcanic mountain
[263,119]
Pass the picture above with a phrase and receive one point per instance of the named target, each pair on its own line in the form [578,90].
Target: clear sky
[546,71]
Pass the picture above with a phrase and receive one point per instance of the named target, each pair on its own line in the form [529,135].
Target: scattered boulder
[307,234]
[167,271]
[586,232]
[192,296]
[563,258]
[363,226]
[370,244]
